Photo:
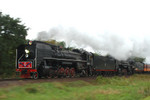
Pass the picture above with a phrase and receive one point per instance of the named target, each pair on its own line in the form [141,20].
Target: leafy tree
[12,34]
[62,44]
[51,42]
[139,59]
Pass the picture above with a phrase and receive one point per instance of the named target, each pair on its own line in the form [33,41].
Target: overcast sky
[128,20]
[89,16]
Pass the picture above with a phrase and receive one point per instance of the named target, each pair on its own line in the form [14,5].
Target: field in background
[136,87]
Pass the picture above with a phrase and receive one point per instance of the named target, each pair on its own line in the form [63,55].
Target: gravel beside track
[4,83]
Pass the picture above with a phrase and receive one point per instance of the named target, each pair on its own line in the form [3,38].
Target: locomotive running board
[70,60]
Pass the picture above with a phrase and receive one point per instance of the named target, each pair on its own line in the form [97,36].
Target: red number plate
[25,64]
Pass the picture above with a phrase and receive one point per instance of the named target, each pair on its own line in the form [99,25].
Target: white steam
[119,46]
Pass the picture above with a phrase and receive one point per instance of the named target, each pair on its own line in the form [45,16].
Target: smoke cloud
[119,46]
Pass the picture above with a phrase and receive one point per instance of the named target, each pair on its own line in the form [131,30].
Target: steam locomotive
[39,59]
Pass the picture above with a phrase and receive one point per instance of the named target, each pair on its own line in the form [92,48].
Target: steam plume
[118,46]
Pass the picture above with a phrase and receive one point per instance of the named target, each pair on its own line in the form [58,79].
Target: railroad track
[17,82]
[11,79]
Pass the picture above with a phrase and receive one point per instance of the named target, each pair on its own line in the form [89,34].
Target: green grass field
[136,87]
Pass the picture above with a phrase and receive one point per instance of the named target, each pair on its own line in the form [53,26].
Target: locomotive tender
[39,59]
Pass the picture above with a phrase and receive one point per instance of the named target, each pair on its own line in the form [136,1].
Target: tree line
[12,34]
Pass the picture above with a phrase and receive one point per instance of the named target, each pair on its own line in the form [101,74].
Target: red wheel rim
[72,71]
[67,71]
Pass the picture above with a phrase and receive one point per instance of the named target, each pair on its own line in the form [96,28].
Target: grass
[136,87]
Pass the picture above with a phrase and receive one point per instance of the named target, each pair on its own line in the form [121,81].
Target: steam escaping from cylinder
[117,45]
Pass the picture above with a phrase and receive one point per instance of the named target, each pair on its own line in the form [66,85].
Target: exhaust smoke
[117,45]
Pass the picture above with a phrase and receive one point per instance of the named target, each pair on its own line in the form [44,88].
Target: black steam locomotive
[39,59]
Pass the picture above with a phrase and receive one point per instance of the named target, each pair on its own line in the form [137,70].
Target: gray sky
[128,20]
[126,17]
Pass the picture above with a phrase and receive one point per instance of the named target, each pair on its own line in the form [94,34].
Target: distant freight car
[147,68]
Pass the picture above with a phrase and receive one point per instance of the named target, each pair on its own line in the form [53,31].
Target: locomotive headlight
[27,51]
[27,55]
